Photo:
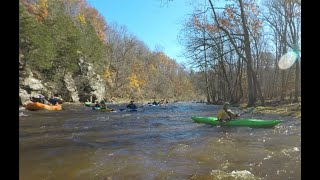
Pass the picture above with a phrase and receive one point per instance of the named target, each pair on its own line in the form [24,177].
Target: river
[159,142]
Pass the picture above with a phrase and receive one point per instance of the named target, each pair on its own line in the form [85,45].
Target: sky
[152,22]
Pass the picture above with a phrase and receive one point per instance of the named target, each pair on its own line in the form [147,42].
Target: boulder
[24,97]
[32,84]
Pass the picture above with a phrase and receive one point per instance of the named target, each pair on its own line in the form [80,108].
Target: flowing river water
[159,142]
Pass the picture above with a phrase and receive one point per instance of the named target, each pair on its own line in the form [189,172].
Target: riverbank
[281,108]
[293,109]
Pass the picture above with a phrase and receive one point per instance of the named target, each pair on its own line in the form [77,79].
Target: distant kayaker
[104,104]
[225,114]
[103,101]
[155,102]
[52,100]
[131,105]
[40,98]
[97,104]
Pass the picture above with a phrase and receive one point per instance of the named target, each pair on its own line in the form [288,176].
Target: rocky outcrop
[98,86]
[91,86]
[24,97]
[86,85]
[32,84]
[29,86]
[71,87]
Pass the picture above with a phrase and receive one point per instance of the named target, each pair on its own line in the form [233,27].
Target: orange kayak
[33,106]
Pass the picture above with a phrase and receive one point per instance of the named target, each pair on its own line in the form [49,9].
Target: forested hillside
[68,49]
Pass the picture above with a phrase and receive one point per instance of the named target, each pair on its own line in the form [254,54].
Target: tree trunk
[258,87]
[297,79]
[282,85]
[251,85]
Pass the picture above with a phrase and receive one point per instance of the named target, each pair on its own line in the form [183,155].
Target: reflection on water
[155,143]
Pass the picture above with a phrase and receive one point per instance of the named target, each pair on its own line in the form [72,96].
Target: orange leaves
[196,22]
[254,10]
[224,22]
[211,28]
[229,11]
[257,25]
[32,9]
[43,10]
[38,9]
[97,21]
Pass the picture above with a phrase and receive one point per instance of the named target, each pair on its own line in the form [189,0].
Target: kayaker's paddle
[248,111]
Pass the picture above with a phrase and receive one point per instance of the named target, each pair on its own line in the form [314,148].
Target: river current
[160,142]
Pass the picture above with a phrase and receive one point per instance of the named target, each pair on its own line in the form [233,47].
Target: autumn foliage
[56,35]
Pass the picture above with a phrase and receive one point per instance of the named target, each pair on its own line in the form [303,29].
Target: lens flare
[287,60]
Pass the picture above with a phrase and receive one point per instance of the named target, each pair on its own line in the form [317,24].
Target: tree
[34,41]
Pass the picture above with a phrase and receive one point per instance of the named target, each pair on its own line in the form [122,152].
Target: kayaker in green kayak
[225,114]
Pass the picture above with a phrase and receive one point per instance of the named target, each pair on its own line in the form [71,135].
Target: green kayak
[88,104]
[256,123]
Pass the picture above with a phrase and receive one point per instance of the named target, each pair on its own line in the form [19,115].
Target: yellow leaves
[134,82]
[107,73]
[43,10]
[44,3]
[81,18]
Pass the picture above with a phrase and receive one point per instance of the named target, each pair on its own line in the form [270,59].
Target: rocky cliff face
[29,86]
[89,83]
[85,86]
[71,88]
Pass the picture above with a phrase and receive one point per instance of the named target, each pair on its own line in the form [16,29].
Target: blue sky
[152,23]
